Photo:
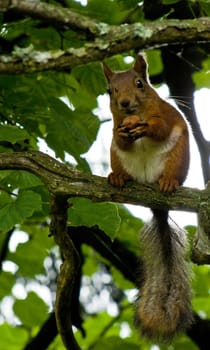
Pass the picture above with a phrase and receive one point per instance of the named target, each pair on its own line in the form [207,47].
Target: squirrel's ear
[140,66]
[107,71]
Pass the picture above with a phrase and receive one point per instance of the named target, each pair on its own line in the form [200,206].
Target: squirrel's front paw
[168,184]
[139,131]
[132,128]
[124,132]
[118,180]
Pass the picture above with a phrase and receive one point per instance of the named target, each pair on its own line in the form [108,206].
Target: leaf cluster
[55,111]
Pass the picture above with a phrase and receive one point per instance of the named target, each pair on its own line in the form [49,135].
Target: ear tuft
[140,66]
[107,71]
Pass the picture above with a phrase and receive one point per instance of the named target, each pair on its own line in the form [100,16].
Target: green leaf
[14,29]
[33,110]
[49,86]
[120,280]
[7,281]
[205,5]
[30,256]
[155,62]
[118,62]
[106,11]
[70,131]
[56,344]
[94,325]
[91,262]
[130,227]
[183,342]
[32,311]
[5,199]
[90,75]
[201,305]
[170,2]
[104,215]
[201,287]
[202,77]
[19,179]
[201,284]
[12,338]
[12,133]
[49,36]
[115,343]
[15,211]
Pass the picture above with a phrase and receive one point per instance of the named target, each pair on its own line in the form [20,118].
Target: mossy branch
[64,181]
[103,40]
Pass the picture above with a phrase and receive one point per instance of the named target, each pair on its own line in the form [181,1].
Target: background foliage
[59,110]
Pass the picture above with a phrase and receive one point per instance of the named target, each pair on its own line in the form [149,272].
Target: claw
[118,180]
[168,184]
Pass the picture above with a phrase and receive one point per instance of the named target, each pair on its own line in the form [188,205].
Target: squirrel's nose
[125,103]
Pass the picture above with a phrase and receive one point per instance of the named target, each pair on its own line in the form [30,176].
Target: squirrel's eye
[139,84]
[109,91]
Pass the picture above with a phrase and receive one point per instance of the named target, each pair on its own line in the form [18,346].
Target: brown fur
[151,144]
[158,118]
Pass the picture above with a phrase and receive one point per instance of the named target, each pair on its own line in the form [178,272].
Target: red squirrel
[150,144]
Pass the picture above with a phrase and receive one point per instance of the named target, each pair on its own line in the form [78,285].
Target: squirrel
[150,144]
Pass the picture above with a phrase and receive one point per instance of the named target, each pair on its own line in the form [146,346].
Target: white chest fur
[146,161]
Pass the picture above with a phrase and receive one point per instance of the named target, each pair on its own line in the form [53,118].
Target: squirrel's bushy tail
[163,307]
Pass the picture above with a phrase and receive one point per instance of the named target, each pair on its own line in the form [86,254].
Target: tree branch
[184,86]
[68,272]
[5,247]
[114,251]
[56,15]
[109,39]
[63,181]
